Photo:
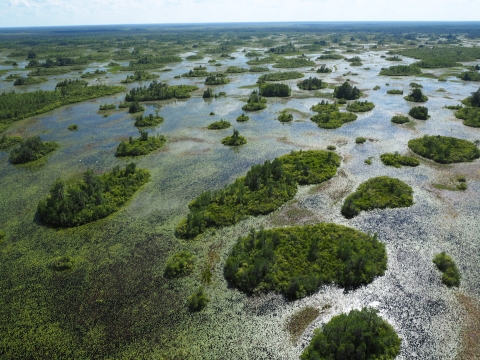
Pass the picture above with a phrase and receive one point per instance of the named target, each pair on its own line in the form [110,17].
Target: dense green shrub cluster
[360,140]
[194,57]
[470,76]
[159,91]
[179,264]
[48,71]
[217,125]
[401,70]
[29,80]
[395,92]
[355,61]
[329,117]
[280,76]
[235,70]
[255,102]
[31,149]
[473,100]
[91,75]
[470,115]
[92,198]
[312,84]
[378,193]
[415,85]
[360,106]
[285,117]
[444,149]
[198,300]
[242,118]
[73,127]
[416,96]
[151,62]
[7,141]
[150,120]
[451,275]
[258,69]
[235,140]
[419,113]
[397,160]
[283,49]
[139,75]
[296,261]
[105,107]
[324,70]
[196,73]
[135,107]
[441,56]
[393,58]
[330,56]
[216,79]
[15,106]
[264,189]
[293,63]
[271,90]
[347,92]
[261,61]
[142,146]
[360,334]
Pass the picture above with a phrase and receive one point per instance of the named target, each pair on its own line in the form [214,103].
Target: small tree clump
[198,300]
[451,275]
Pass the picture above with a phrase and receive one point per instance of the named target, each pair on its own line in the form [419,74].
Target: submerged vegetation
[263,189]
[296,261]
[378,193]
[92,198]
[360,334]
[31,149]
[444,149]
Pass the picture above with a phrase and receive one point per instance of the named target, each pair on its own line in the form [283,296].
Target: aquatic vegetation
[444,149]
[73,127]
[106,107]
[401,70]
[142,146]
[293,63]
[360,140]
[329,117]
[470,76]
[470,115]
[216,79]
[395,92]
[324,70]
[451,275]
[150,120]
[92,198]
[198,300]
[179,264]
[235,140]
[299,321]
[7,141]
[139,75]
[355,61]
[378,193]
[415,85]
[347,92]
[312,84]
[151,62]
[159,91]
[91,75]
[397,160]
[31,149]
[296,261]
[261,61]
[419,113]
[272,90]
[222,124]
[360,334]
[280,76]
[255,102]
[285,117]
[283,49]
[473,100]
[235,70]
[393,58]
[360,106]
[196,73]
[331,56]
[264,189]
[29,80]
[135,107]
[258,69]
[416,96]
[243,118]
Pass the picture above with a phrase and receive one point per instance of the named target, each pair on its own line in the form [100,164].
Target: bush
[142,146]
[324,70]
[470,115]
[470,76]
[8,141]
[242,118]
[473,100]
[416,96]
[397,160]
[179,264]
[217,125]
[208,93]
[416,85]
[444,149]
[360,334]
[347,92]
[107,107]
[198,300]
[360,106]
[329,117]
[293,63]
[255,102]
[258,69]
[217,79]
[285,116]
[312,84]
[401,70]
[360,140]
[419,113]
[395,92]
[296,261]
[31,149]
[331,147]
[150,120]
[135,107]
[271,90]
[451,275]
[139,75]
[73,127]
[92,198]
[235,70]
[235,140]
[400,119]
[280,76]
[378,193]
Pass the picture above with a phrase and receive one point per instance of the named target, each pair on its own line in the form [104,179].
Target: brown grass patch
[471,328]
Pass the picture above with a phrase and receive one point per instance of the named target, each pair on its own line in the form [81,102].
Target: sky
[21,13]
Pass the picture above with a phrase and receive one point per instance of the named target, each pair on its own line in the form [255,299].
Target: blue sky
[86,12]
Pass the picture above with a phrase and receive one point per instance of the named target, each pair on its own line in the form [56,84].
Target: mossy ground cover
[444,149]
[296,261]
[378,193]
[263,189]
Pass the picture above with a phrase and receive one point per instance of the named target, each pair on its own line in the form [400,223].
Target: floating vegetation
[444,149]
[296,261]
[360,334]
[378,193]
[92,198]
